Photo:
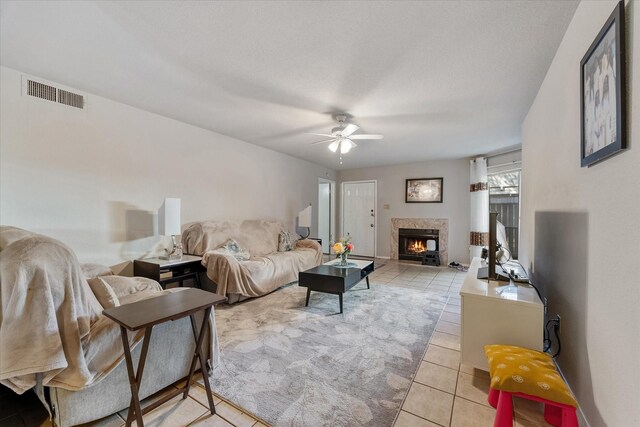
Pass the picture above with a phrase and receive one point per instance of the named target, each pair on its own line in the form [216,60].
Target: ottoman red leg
[504,412]
[493,397]
[569,417]
[553,414]
[560,416]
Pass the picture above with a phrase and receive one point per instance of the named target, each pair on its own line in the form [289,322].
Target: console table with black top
[335,280]
[166,271]
[145,315]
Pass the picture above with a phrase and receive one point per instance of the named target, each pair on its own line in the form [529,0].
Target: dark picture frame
[602,93]
[424,190]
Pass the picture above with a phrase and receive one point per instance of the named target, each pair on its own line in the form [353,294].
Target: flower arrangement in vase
[342,249]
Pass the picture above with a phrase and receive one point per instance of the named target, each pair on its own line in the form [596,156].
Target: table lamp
[169,225]
[304,220]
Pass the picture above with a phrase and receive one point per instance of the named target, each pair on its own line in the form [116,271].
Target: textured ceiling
[438,79]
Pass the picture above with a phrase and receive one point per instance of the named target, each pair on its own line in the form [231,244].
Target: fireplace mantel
[440,224]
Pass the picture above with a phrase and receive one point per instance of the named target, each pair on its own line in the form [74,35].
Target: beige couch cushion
[204,236]
[125,286]
[106,296]
[259,237]
[267,269]
[91,270]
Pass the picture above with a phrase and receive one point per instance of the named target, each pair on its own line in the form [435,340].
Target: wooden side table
[170,271]
[154,311]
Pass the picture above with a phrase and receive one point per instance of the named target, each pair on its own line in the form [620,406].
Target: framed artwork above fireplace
[424,190]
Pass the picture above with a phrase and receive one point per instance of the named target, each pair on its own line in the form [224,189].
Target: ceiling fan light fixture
[345,146]
[341,135]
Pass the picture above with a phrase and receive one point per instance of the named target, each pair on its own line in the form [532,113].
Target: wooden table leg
[306,304]
[199,356]
[340,295]
[367,282]
[134,382]
[141,362]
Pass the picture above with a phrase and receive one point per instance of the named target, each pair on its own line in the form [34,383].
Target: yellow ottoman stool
[530,374]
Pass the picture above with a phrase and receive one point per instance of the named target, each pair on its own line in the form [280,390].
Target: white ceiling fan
[342,136]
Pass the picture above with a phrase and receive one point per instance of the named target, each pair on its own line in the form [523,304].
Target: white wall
[95,178]
[391,191]
[581,228]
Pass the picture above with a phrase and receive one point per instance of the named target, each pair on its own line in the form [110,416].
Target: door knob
[371,225]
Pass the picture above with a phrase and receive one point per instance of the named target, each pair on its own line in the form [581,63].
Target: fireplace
[441,225]
[413,242]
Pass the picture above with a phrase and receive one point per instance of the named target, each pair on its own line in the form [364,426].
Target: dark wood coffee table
[330,279]
[145,315]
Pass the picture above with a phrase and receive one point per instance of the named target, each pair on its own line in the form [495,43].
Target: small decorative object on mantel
[424,190]
[602,93]
[342,249]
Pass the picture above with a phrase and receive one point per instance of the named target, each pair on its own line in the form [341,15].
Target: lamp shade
[169,217]
[304,217]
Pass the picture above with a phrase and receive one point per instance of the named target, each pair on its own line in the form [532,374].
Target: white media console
[497,313]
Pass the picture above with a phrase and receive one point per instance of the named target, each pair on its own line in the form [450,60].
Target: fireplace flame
[416,246]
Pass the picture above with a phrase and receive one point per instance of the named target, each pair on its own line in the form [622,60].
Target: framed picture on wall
[602,95]
[424,190]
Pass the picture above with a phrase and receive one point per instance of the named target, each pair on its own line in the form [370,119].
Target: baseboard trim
[582,419]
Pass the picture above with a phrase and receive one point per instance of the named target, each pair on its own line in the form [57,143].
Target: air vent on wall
[54,94]
[71,99]
[40,90]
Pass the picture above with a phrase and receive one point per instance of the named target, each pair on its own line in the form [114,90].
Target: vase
[343,259]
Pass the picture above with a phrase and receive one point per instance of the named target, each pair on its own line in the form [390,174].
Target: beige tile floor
[443,393]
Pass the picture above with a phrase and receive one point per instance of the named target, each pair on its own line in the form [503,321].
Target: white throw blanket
[50,321]
[267,270]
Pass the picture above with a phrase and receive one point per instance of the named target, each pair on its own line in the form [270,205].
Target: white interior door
[324,214]
[358,216]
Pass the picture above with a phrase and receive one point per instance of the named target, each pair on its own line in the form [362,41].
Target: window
[504,198]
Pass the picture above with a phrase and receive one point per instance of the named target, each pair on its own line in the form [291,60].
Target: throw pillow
[236,250]
[286,241]
[103,292]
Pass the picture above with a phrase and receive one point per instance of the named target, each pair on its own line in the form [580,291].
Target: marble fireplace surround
[440,224]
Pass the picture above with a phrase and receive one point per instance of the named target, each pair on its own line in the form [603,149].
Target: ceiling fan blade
[318,134]
[363,136]
[321,142]
[349,129]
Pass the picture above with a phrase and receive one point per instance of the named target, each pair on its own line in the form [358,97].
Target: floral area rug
[293,365]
